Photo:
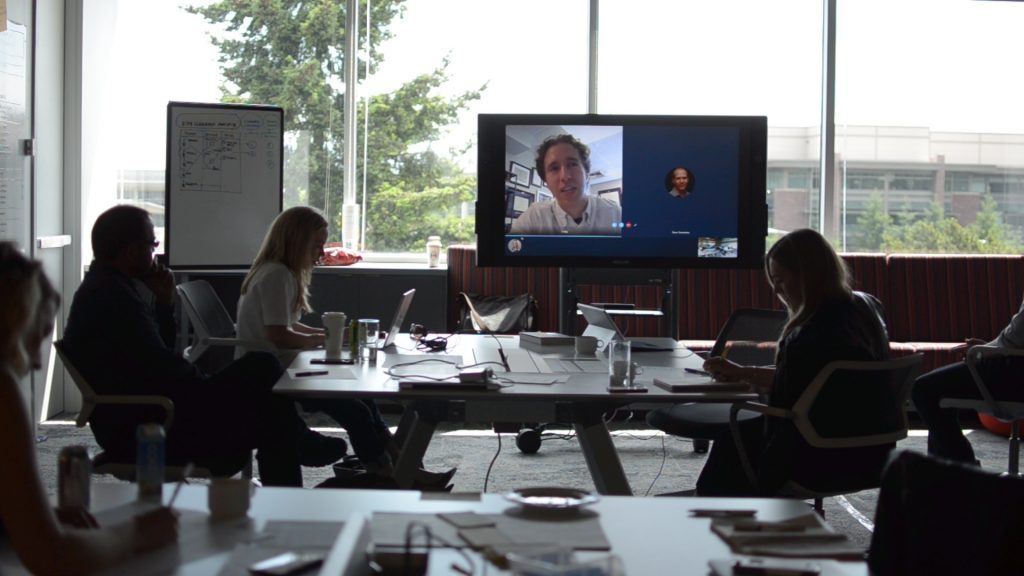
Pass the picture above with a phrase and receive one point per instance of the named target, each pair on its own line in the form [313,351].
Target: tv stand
[568,295]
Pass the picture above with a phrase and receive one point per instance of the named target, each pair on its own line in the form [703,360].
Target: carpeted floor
[655,464]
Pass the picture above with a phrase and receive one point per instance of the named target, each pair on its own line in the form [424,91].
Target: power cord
[664,458]
[487,476]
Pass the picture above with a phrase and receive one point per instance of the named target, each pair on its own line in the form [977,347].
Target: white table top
[370,380]
[651,535]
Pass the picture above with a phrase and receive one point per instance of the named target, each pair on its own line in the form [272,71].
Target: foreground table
[651,535]
[582,400]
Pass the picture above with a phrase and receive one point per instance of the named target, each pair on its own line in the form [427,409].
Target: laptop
[601,325]
[396,323]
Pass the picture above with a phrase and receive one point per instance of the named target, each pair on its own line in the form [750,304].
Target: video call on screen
[633,167]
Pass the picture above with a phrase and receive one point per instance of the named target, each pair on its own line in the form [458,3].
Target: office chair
[121,467]
[939,517]
[841,386]
[748,338]
[1006,411]
[211,323]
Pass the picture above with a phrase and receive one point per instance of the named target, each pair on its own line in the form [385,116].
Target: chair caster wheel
[701,446]
[528,440]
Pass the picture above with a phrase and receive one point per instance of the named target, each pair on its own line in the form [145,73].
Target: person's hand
[155,529]
[315,341]
[76,516]
[160,280]
[723,370]
[969,343]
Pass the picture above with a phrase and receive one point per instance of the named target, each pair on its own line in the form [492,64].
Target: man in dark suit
[120,335]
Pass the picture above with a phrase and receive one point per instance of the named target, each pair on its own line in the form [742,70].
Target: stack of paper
[805,536]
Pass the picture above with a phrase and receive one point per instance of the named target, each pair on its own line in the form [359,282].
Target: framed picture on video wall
[521,174]
[535,179]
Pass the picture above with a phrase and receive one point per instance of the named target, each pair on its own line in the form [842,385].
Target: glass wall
[927,132]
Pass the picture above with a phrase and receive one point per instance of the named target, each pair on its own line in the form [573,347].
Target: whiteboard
[224,182]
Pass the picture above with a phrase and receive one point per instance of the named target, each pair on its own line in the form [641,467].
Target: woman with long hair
[275,294]
[828,321]
[42,538]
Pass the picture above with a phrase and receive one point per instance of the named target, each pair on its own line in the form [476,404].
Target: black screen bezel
[752,207]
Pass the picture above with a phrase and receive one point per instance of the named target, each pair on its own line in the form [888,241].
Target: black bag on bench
[497,314]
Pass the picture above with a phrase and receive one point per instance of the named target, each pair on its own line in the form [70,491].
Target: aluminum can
[149,461]
[74,472]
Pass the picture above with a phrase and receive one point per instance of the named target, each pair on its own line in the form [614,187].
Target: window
[930,147]
[711,62]
[940,147]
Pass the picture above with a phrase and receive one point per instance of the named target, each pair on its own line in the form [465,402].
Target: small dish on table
[552,498]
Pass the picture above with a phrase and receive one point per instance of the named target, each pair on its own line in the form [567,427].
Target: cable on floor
[487,477]
[664,458]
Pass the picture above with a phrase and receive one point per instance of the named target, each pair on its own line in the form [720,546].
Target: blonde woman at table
[275,294]
[828,321]
[67,542]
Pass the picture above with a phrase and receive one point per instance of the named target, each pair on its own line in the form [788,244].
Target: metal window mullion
[826,220]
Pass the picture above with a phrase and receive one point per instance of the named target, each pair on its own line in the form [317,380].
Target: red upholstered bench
[935,301]
[932,302]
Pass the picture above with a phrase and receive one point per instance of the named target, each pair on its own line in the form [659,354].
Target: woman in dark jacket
[828,321]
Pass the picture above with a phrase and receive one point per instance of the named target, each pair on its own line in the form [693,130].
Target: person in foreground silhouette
[48,541]
[828,321]
[120,335]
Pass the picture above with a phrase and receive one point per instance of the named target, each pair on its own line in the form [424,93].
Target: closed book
[547,338]
[694,383]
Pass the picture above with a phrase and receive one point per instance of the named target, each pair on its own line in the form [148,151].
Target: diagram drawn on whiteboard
[211,149]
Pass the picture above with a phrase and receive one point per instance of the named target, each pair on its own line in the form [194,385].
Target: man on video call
[564,164]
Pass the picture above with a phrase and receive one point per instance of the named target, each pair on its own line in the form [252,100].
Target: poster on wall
[14,190]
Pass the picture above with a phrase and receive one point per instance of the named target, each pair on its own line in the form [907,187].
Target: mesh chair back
[750,336]
[205,310]
[88,394]
[855,404]
[938,517]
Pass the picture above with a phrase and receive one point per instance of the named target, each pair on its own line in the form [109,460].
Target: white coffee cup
[334,326]
[587,345]
[229,498]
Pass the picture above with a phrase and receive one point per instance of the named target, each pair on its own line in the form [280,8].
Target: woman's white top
[269,301]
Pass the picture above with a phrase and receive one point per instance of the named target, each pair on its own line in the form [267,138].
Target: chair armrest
[196,350]
[978,354]
[734,429]
[760,408]
[127,400]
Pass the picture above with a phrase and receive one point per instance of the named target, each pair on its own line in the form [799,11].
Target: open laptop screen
[396,322]
[601,325]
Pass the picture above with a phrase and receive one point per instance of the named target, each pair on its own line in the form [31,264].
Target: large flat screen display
[621,191]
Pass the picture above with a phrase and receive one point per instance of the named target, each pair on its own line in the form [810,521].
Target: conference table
[535,388]
[649,535]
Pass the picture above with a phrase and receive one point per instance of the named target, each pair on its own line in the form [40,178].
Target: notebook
[695,383]
[400,312]
[601,325]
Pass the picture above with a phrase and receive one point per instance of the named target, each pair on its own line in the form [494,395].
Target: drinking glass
[619,363]
[369,329]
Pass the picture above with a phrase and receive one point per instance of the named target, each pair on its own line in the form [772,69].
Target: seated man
[123,343]
[945,438]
